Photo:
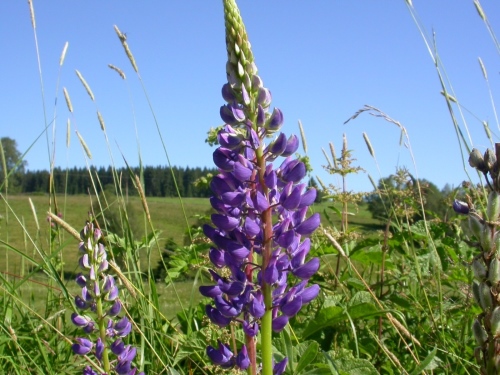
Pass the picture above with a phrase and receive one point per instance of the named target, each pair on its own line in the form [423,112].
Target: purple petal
[310,293]
[224,222]
[264,97]
[276,120]
[307,270]
[251,227]
[226,308]
[250,329]
[257,307]
[115,309]
[123,367]
[82,346]
[223,159]
[227,115]
[308,198]
[81,280]
[292,307]
[241,173]
[228,93]
[79,320]
[261,115]
[279,323]
[99,348]
[280,367]
[210,291]
[219,356]
[279,145]
[233,198]
[117,347]
[242,360]
[292,145]
[461,207]
[308,226]
[216,317]
[217,257]
[244,95]
[271,274]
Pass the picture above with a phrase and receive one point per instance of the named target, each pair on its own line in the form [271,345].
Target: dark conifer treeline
[158,181]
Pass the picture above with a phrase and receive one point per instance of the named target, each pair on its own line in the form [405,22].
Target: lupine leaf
[425,363]
[307,357]
[330,316]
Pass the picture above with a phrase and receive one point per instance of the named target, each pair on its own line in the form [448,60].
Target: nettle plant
[485,227]
[259,256]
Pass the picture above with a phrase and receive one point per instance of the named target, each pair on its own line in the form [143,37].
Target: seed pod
[494,271]
[495,321]
[479,269]
[477,354]
[485,239]
[496,239]
[475,226]
[485,296]
[493,208]
[476,292]
[479,333]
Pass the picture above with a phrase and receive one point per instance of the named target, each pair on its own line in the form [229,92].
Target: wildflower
[261,213]
[99,299]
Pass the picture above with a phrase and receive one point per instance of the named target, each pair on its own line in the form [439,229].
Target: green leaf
[308,356]
[425,363]
[288,346]
[330,316]
[355,366]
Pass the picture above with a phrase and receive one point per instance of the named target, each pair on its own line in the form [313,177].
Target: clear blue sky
[322,60]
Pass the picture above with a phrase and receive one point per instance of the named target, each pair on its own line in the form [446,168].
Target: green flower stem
[102,334]
[266,329]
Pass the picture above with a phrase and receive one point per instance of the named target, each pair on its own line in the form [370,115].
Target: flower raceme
[259,253]
[99,306]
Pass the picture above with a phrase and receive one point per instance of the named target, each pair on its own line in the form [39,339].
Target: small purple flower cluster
[99,296]
[261,212]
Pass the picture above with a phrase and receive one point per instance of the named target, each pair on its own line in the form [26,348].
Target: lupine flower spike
[485,228]
[100,309]
[261,215]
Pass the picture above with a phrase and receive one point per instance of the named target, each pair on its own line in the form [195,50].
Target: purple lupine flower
[461,207]
[100,299]
[261,209]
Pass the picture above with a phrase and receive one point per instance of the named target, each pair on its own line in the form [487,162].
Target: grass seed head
[85,84]
[68,100]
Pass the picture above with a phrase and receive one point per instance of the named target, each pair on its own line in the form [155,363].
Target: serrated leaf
[355,366]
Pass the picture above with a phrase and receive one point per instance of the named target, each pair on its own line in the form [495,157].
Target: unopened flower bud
[490,159]
[476,161]
[460,207]
[479,333]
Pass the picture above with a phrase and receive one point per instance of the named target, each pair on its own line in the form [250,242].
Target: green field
[25,228]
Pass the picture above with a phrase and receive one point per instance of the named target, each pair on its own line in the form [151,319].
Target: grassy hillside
[24,226]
